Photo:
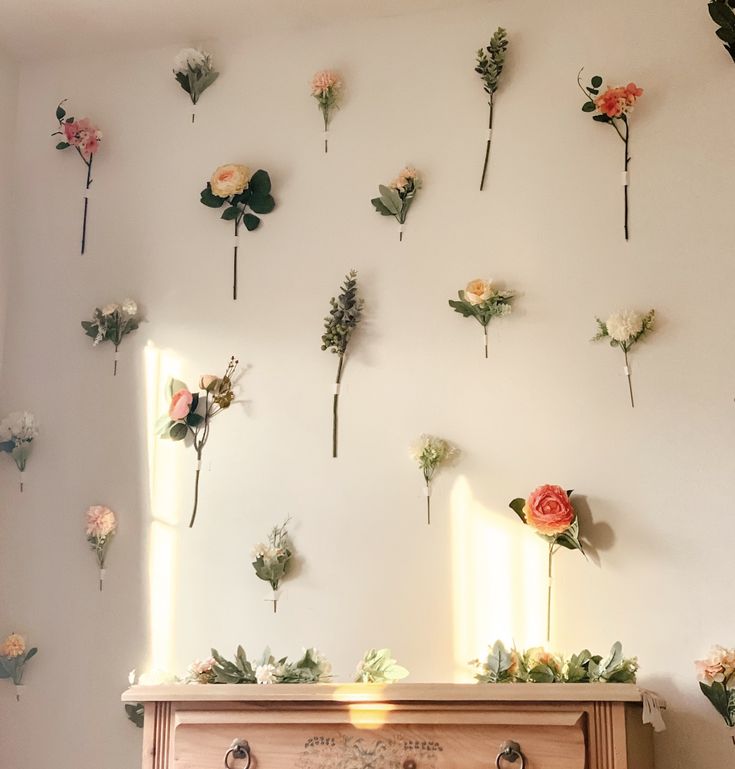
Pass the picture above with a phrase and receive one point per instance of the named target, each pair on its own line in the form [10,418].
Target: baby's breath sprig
[339,325]
[489,66]
[431,453]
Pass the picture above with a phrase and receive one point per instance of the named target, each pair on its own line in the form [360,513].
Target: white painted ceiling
[43,29]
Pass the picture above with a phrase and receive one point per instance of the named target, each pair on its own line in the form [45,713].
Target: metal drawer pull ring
[239,750]
[510,752]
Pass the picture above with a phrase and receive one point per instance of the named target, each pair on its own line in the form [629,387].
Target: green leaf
[194,420]
[231,213]
[391,199]
[601,118]
[178,431]
[31,654]
[60,112]
[251,222]
[208,198]
[517,506]
[721,14]
[62,145]
[262,204]
[380,206]
[183,80]
[588,106]
[260,183]
[596,81]
[720,699]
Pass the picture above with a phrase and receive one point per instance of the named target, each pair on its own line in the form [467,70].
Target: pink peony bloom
[100,522]
[718,667]
[180,405]
[324,81]
[549,511]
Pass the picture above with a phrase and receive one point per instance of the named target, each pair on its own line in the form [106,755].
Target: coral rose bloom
[13,646]
[548,510]
[230,180]
[612,103]
[180,404]
[100,521]
[478,291]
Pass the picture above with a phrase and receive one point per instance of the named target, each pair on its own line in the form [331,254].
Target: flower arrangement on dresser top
[194,72]
[100,528]
[377,666]
[395,200]
[326,88]
[311,668]
[613,105]
[85,138]
[716,674]
[14,655]
[483,301]
[431,453]
[111,323]
[344,316]
[549,512]
[248,197]
[271,560]
[17,433]
[489,66]
[190,414]
[624,329]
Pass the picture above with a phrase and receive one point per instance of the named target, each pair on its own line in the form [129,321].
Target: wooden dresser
[402,726]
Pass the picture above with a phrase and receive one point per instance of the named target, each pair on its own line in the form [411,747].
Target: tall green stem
[335,404]
[489,140]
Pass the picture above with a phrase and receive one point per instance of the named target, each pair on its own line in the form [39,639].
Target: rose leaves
[722,13]
[256,197]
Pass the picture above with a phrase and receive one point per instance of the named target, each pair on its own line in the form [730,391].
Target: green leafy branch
[722,12]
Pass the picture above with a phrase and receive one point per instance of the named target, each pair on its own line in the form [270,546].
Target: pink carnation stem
[627,134]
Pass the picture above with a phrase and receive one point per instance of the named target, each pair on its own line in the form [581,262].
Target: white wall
[547,406]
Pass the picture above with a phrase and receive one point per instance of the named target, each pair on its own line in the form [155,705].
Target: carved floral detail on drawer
[345,752]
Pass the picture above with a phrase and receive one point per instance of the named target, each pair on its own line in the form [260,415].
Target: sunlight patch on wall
[159,366]
[498,577]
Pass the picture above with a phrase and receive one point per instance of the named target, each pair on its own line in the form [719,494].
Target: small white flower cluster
[192,60]
[20,427]
[267,552]
[430,452]
[113,314]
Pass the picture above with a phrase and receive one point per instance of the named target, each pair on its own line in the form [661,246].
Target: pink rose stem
[86,199]
[335,405]
[487,146]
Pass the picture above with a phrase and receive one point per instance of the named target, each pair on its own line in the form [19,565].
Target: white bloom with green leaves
[378,667]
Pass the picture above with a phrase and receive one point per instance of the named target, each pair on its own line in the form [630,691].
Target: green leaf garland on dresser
[483,301]
[344,316]
[489,66]
[247,198]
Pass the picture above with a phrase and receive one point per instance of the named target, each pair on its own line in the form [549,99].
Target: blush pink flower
[612,102]
[180,404]
[323,81]
[719,666]
[632,93]
[100,522]
[548,510]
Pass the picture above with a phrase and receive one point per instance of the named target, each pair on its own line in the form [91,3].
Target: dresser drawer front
[548,739]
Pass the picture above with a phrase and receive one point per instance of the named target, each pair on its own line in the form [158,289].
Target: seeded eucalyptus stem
[489,140]
[335,404]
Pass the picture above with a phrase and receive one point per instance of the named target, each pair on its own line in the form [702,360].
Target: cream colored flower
[191,58]
[623,326]
[260,550]
[110,309]
[130,307]
[265,674]
[157,678]
[478,291]
[13,646]
[230,180]
[207,380]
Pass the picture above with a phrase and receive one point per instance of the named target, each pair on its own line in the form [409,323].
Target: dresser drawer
[550,738]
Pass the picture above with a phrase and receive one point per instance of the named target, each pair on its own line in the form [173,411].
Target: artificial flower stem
[484,328]
[326,129]
[625,191]
[427,491]
[630,383]
[489,140]
[335,404]
[114,369]
[196,488]
[548,594]
[86,202]
[234,261]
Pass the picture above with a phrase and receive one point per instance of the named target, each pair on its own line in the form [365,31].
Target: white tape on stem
[626,370]
[87,192]
[336,388]
[199,464]
[236,240]
[489,134]
[625,178]
[102,574]
[427,491]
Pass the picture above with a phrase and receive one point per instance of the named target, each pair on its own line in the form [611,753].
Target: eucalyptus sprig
[344,316]
[722,12]
[489,66]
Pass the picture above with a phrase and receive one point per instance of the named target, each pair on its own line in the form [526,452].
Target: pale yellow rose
[478,291]
[230,180]
[13,646]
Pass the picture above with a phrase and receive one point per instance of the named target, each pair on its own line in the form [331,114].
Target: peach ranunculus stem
[234,262]
[548,594]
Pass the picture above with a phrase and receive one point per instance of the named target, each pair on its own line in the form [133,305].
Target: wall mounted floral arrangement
[716,675]
[431,453]
[396,199]
[549,512]
[377,666]
[100,528]
[271,560]
[722,12]
[13,658]
[613,105]
[233,184]
[624,329]
[489,66]
[17,432]
[111,323]
[194,72]
[85,138]
[344,316]
[326,88]
[190,414]
[542,667]
[482,301]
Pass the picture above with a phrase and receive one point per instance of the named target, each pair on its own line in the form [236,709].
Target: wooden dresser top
[364,693]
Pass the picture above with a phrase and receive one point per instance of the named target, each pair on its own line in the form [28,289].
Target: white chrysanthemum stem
[114,369]
[103,571]
[193,114]
[19,691]
[630,383]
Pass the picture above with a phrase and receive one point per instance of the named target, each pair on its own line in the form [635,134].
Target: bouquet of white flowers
[111,323]
[271,560]
[194,72]
[17,432]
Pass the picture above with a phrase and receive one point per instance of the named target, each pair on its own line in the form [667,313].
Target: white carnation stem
[626,369]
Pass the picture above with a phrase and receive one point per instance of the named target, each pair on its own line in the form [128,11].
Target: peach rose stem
[624,139]
[86,200]
[487,146]
[627,374]
[484,328]
[335,405]
[234,261]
